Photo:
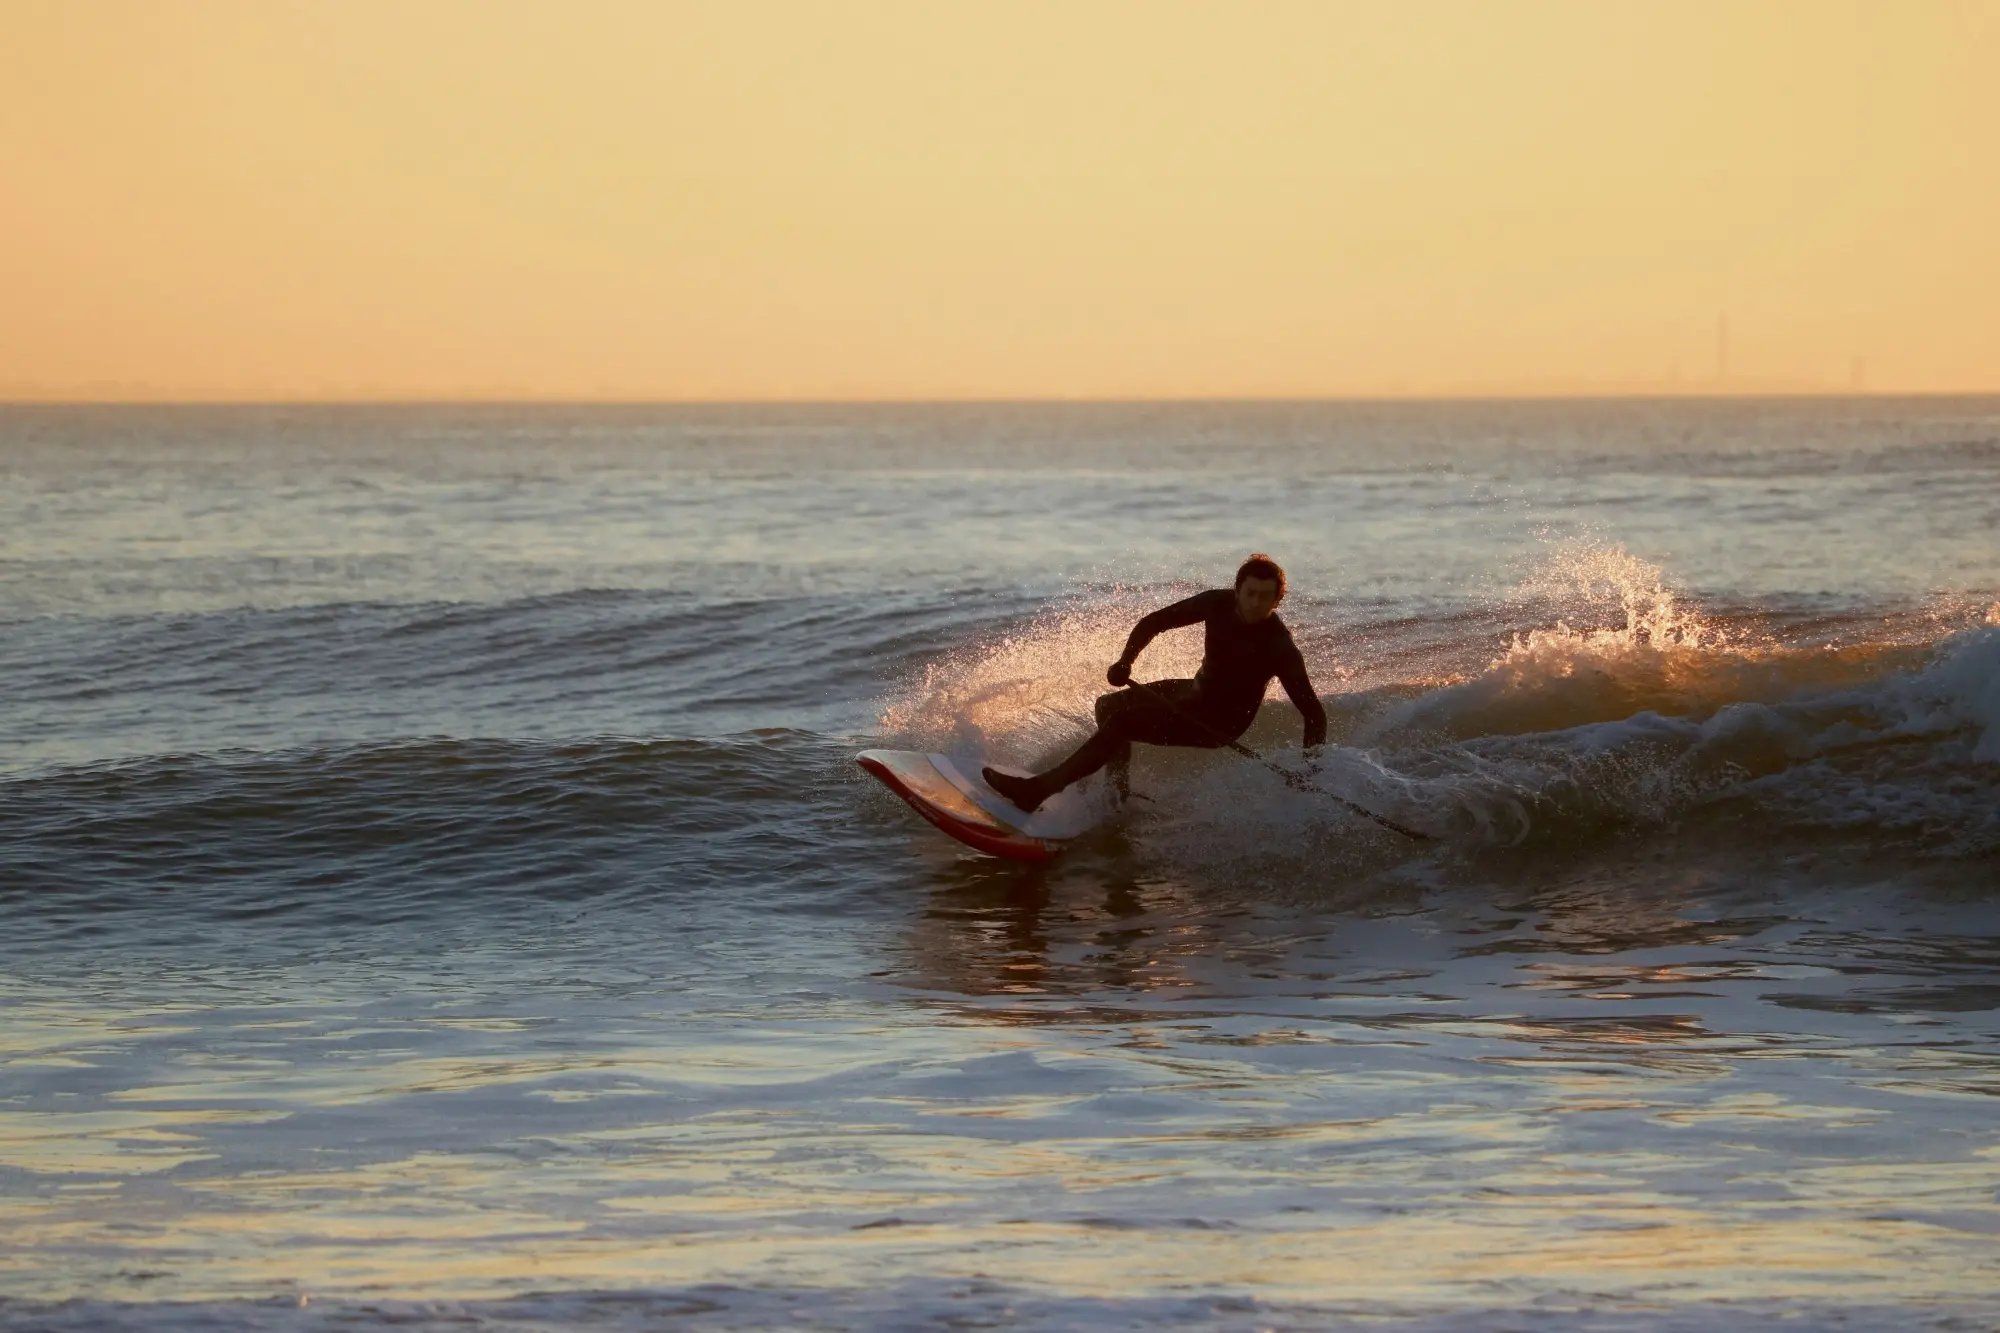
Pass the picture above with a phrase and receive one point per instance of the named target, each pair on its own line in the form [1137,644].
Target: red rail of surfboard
[1008,846]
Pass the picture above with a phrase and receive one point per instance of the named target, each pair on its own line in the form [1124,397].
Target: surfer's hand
[1120,674]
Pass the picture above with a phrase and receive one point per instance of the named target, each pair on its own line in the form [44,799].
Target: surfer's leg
[1179,718]
[1110,744]
[1104,745]
[1123,717]
[1173,718]
[1119,766]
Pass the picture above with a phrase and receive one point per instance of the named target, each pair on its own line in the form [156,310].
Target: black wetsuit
[1238,661]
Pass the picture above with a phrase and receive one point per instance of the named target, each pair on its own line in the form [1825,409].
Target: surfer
[1244,645]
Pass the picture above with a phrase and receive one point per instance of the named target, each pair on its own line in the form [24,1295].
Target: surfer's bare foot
[1026,793]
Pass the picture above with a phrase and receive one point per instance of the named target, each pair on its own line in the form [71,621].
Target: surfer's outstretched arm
[1188,611]
[1299,686]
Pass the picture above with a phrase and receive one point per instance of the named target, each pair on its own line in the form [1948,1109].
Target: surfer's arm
[1188,611]
[1299,686]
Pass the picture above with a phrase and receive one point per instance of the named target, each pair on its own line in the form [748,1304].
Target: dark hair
[1261,566]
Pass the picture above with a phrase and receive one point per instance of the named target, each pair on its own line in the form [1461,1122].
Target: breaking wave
[1620,703]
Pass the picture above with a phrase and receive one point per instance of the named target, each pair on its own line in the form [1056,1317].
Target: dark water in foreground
[436,888]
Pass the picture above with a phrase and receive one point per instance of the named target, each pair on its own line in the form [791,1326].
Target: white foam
[1960,690]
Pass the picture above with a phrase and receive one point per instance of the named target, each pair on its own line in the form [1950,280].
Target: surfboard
[950,794]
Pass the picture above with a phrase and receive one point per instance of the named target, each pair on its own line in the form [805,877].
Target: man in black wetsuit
[1244,645]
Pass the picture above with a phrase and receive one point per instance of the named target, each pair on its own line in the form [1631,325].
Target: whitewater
[438,891]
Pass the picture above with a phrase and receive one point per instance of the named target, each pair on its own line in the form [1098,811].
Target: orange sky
[941,198]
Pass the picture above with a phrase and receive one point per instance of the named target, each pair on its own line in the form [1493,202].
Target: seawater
[438,892]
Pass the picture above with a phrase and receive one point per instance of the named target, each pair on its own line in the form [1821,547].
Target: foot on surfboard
[1025,793]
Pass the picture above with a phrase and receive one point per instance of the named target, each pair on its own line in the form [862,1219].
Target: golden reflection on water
[460,1241]
[1084,1082]
[439,1223]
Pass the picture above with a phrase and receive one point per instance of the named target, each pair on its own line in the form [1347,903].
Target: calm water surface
[437,889]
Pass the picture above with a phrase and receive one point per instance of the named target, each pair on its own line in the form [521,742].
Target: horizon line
[1043,400]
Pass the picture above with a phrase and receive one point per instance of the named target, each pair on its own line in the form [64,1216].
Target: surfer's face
[1255,599]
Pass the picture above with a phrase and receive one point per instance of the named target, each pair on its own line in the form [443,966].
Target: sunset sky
[858,199]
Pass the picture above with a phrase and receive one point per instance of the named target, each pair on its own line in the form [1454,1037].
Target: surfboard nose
[925,788]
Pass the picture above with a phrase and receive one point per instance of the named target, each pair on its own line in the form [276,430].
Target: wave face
[437,888]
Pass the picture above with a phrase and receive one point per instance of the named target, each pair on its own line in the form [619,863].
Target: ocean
[438,891]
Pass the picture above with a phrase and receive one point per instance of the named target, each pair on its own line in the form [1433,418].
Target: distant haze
[864,199]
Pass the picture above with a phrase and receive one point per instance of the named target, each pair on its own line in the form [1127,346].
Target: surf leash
[1296,781]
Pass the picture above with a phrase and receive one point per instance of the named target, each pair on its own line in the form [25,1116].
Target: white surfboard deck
[948,791]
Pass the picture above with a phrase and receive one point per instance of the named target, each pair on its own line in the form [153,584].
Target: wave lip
[1887,740]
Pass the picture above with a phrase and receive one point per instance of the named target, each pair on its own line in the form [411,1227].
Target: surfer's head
[1260,586]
